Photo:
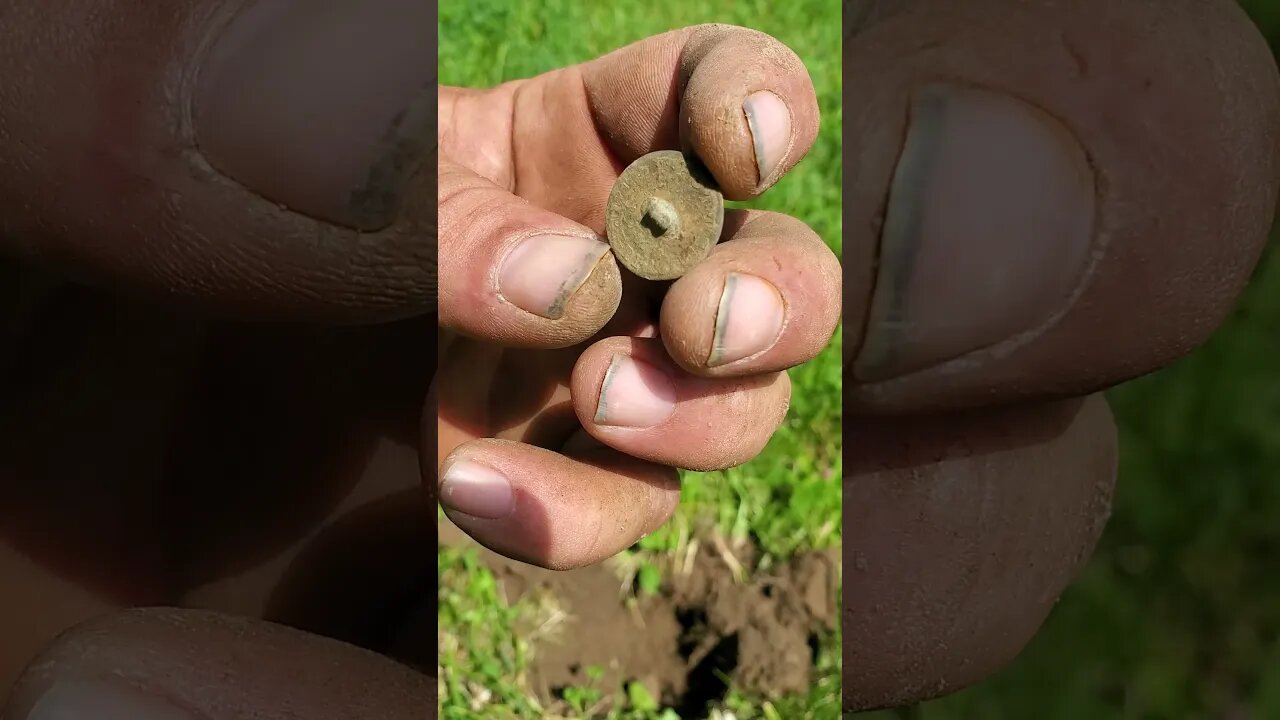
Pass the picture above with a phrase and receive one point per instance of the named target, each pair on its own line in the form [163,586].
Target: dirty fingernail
[770,122]
[748,321]
[634,394]
[103,700]
[544,271]
[987,233]
[325,107]
[477,490]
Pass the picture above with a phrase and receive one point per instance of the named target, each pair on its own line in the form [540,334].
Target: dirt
[703,632]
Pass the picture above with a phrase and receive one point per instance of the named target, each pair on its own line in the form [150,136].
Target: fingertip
[476,489]
[542,272]
[722,320]
[554,510]
[625,383]
[749,110]
[630,395]
[594,303]
[518,275]
[766,300]
[769,121]
[1066,279]
[565,289]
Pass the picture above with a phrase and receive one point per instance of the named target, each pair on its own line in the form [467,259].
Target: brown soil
[702,627]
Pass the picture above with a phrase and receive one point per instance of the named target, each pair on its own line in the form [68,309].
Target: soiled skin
[541,156]
[978,485]
[155,456]
[163,449]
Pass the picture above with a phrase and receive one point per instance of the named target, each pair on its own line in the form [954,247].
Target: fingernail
[544,271]
[749,319]
[634,394]
[323,106]
[102,700]
[476,490]
[987,232]
[770,122]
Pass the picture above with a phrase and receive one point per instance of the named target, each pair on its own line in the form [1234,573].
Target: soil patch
[707,629]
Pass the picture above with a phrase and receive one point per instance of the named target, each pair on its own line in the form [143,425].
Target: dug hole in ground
[707,624]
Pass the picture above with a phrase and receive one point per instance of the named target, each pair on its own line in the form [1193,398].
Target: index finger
[738,99]
[742,101]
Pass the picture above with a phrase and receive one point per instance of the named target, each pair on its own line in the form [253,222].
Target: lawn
[1178,614]
[785,502]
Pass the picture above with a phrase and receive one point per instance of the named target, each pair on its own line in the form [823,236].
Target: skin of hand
[164,452]
[569,390]
[168,173]
[153,187]
[1045,199]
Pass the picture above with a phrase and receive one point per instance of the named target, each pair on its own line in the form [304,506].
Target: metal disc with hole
[665,214]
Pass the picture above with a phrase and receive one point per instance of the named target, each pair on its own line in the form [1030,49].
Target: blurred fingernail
[326,107]
[544,271]
[749,320]
[102,700]
[770,122]
[476,490]
[987,233]
[634,394]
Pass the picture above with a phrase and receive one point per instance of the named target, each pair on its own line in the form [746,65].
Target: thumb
[515,274]
[164,664]
[262,160]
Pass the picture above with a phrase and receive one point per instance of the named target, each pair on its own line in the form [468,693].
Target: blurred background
[780,508]
[1178,614]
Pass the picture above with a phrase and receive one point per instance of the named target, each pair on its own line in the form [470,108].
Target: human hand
[536,316]
[172,175]
[1061,197]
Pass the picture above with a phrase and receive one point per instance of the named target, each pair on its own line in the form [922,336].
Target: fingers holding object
[629,394]
[766,299]
[555,510]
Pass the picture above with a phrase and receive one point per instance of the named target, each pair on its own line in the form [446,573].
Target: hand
[1062,196]
[568,389]
[169,171]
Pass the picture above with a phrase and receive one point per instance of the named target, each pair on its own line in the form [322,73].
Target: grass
[481,657]
[788,499]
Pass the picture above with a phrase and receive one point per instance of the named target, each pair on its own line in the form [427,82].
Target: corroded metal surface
[664,216]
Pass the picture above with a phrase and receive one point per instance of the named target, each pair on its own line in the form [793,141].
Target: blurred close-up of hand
[217,232]
[1044,200]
